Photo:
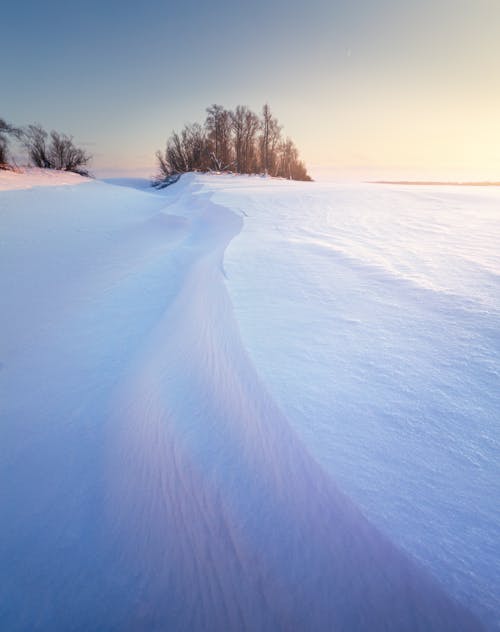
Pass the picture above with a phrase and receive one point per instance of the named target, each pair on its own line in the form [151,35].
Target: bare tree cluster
[232,140]
[49,151]
[54,150]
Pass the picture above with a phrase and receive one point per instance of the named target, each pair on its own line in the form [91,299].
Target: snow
[174,414]
[372,313]
[29,177]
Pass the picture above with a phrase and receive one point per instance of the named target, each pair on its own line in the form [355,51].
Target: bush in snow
[54,151]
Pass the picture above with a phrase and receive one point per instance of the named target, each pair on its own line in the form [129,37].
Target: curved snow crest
[218,518]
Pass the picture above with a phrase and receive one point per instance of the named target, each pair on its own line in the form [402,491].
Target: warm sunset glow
[385,85]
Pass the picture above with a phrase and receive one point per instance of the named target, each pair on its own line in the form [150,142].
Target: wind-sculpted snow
[379,338]
[148,479]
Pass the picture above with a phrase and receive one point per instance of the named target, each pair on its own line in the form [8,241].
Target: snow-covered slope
[148,478]
[30,177]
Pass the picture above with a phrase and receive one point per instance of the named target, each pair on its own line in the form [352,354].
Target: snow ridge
[239,528]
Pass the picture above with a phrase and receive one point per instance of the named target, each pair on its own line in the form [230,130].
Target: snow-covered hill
[30,177]
[159,471]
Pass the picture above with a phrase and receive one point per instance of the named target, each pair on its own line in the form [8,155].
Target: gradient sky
[392,84]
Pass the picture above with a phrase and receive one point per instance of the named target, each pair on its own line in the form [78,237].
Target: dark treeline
[49,151]
[236,141]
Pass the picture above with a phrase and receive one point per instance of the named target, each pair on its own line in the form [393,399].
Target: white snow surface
[175,415]
[372,313]
[29,177]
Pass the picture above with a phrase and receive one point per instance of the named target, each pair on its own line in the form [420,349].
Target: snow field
[152,472]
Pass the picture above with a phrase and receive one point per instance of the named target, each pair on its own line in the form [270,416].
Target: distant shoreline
[431,182]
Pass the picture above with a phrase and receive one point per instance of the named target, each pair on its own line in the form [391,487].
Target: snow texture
[30,177]
[158,471]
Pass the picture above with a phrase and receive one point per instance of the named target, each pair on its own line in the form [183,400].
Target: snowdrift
[148,478]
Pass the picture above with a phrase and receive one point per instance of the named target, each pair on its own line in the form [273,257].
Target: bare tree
[287,155]
[66,156]
[176,154]
[269,140]
[7,132]
[55,152]
[35,142]
[299,172]
[187,151]
[249,143]
[218,125]
[244,125]
[288,163]
[238,127]
[264,139]
[164,167]
[194,139]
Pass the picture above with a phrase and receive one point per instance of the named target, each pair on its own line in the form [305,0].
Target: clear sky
[370,84]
